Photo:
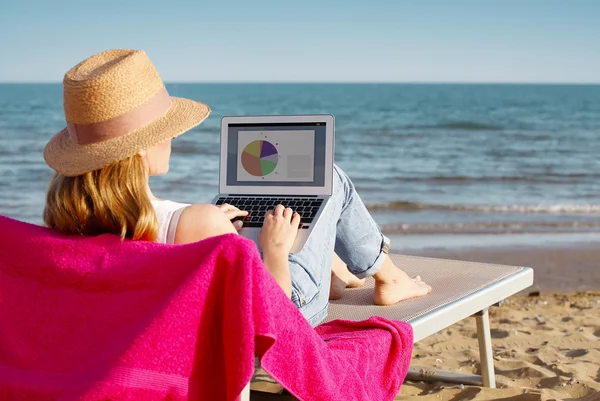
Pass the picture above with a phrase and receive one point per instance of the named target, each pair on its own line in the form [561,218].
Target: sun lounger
[460,289]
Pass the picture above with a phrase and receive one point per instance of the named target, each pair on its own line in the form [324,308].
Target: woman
[120,123]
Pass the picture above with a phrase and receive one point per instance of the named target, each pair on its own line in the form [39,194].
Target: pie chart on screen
[259,158]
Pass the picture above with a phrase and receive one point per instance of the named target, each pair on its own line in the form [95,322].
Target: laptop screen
[276,154]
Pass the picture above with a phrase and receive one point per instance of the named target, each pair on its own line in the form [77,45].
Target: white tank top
[168,216]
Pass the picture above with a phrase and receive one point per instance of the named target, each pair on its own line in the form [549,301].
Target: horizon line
[339,82]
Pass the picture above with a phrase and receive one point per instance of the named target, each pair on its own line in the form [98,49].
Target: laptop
[271,160]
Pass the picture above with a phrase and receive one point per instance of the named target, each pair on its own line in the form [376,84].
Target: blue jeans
[346,227]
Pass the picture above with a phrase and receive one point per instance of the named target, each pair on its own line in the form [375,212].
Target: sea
[438,165]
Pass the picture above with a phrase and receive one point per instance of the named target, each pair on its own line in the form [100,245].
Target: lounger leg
[484,337]
[434,375]
[245,395]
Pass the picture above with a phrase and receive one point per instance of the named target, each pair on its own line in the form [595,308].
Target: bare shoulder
[198,222]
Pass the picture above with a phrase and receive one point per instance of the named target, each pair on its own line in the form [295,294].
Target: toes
[424,290]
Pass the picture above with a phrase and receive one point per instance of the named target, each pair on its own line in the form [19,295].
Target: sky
[533,41]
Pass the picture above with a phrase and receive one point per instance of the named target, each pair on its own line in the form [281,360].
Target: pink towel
[92,318]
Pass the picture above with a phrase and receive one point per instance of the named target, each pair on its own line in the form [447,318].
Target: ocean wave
[462,126]
[549,209]
[193,149]
[542,179]
[492,228]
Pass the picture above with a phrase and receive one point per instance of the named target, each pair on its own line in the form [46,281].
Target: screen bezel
[326,189]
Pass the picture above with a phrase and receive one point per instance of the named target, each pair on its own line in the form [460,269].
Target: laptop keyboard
[307,208]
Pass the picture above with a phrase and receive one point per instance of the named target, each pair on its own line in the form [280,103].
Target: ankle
[389,273]
[384,280]
[385,273]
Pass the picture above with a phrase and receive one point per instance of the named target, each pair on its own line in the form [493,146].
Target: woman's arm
[276,239]
[198,222]
[279,266]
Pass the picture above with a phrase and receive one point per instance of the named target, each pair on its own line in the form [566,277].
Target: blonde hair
[112,200]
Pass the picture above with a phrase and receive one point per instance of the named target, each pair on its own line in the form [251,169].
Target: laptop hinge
[272,196]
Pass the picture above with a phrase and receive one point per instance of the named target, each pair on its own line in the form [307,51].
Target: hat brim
[69,158]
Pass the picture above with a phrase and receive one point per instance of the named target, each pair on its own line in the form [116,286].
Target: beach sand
[546,345]
[545,348]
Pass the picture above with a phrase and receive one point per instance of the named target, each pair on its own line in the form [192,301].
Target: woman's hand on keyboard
[233,212]
[279,230]
[276,238]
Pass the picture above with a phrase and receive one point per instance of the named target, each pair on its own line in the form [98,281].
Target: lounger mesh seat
[451,280]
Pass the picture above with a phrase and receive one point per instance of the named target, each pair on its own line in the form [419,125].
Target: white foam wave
[552,209]
[540,208]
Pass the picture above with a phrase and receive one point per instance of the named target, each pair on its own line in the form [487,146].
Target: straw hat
[116,105]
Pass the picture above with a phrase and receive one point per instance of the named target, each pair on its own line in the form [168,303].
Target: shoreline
[454,241]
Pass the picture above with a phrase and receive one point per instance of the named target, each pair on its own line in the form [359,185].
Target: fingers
[231,211]
[232,214]
[296,220]
[287,213]
[226,207]
[238,225]
[278,212]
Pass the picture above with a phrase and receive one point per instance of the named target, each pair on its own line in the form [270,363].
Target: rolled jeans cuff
[374,268]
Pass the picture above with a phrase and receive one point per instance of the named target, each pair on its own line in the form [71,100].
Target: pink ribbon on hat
[115,127]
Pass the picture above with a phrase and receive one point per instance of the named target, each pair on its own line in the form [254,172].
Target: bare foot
[336,288]
[393,285]
[339,268]
[354,281]
[341,278]
[391,293]
[349,279]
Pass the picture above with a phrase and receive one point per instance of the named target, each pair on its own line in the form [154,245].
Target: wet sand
[557,269]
